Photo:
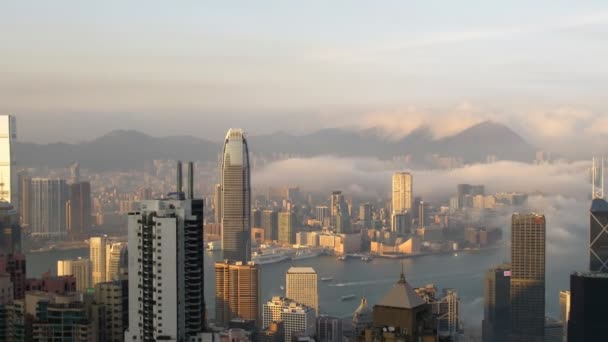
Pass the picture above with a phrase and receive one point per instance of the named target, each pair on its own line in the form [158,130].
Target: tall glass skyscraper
[528,277]
[598,237]
[236,197]
[8,134]
[402,191]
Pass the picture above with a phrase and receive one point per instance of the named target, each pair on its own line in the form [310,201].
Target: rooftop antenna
[597,190]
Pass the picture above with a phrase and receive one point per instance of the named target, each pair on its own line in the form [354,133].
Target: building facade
[110,311]
[48,198]
[496,324]
[236,198]
[287,227]
[402,191]
[80,269]
[79,208]
[588,307]
[237,292]
[301,286]
[8,184]
[296,318]
[98,248]
[270,223]
[166,275]
[527,277]
[598,236]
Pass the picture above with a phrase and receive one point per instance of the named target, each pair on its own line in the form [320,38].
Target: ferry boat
[327,278]
[367,258]
[342,258]
[347,297]
[269,258]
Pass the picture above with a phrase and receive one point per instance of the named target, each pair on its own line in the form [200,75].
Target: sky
[73,70]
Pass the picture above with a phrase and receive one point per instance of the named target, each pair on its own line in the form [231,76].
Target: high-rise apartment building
[8,134]
[402,191]
[588,307]
[296,318]
[58,318]
[301,286]
[237,292]
[80,269]
[48,207]
[528,233]
[10,231]
[598,236]
[217,203]
[166,275]
[98,248]
[287,227]
[270,223]
[116,259]
[496,324]
[79,208]
[236,198]
[14,265]
[25,186]
[110,311]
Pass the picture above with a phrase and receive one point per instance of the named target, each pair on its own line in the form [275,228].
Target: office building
[270,223]
[79,208]
[301,286]
[236,198]
[24,185]
[402,191]
[80,269]
[98,248]
[496,324]
[598,237]
[8,134]
[217,203]
[588,307]
[329,329]
[527,277]
[287,227]
[165,244]
[466,192]
[340,215]
[256,218]
[110,311]
[365,215]
[237,292]
[323,215]
[10,230]
[400,222]
[116,259]
[48,207]
[564,311]
[296,318]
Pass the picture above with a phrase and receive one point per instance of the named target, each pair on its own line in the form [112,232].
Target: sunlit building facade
[8,134]
[236,198]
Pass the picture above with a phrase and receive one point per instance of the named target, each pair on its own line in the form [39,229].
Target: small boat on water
[367,258]
[327,278]
[347,297]
[342,258]
[282,288]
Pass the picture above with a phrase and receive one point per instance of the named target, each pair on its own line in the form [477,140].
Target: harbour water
[463,272]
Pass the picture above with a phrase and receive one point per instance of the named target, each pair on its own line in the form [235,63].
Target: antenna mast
[597,190]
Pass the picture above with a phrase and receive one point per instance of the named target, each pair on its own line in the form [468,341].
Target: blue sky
[270,65]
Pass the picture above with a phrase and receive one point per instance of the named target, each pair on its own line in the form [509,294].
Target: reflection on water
[464,273]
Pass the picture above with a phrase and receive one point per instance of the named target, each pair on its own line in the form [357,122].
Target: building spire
[402,276]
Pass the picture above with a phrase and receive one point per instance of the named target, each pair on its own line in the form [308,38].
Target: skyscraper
[110,311]
[97,254]
[402,191]
[496,322]
[116,254]
[365,215]
[287,227]
[322,214]
[8,133]
[25,186]
[79,213]
[165,245]
[236,197]
[270,223]
[301,286]
[340,216]
[237,292]
[217,203]
[10,231]
[80,269]
[588,307]
[598,237]
[564,311]
[527,277]
[48,207]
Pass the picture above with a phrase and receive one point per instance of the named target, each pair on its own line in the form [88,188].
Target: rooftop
[402,296]
[301,270]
